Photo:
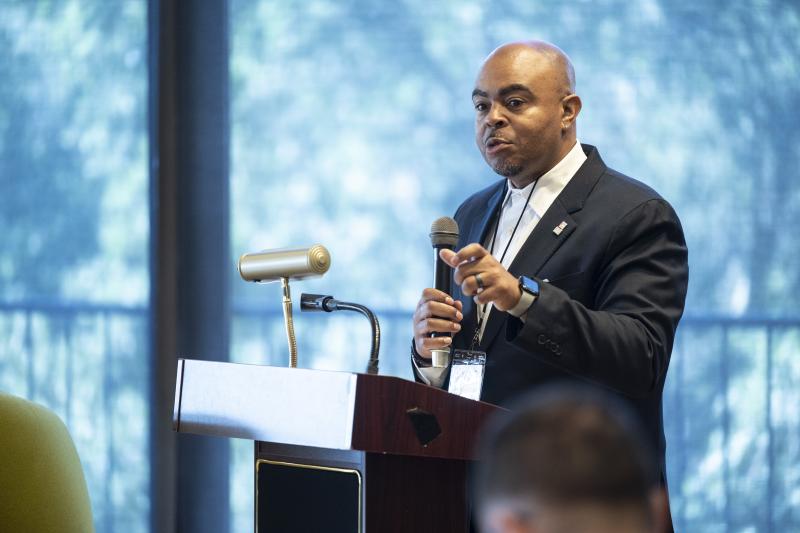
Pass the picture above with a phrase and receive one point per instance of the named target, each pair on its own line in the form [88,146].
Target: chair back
[42,486]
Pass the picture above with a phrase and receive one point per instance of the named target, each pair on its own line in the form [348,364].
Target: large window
[74,275]
[352,126]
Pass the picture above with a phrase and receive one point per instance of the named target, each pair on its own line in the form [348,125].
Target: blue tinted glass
[74,276]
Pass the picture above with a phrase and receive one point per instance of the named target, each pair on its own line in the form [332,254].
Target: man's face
[518,114]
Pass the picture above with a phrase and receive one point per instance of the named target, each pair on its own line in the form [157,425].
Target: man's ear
[570,109]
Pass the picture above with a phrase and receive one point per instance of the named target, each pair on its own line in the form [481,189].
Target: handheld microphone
[295,263]
[444,234]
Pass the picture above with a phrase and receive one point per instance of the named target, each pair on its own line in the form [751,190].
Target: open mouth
[491,142]
[496,144]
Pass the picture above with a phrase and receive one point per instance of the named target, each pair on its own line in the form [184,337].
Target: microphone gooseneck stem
[321,302]
[372,365]
[289,323]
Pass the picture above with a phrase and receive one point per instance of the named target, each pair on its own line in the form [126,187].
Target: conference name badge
[466,373]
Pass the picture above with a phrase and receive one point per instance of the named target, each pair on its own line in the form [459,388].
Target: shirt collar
[551,183]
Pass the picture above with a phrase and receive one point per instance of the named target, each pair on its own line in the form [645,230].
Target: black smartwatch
[529,285]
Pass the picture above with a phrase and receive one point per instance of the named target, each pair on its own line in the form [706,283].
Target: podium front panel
[307,498]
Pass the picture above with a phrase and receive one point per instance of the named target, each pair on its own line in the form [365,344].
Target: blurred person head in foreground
[567,460]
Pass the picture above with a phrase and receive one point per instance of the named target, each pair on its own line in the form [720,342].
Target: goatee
[507,169]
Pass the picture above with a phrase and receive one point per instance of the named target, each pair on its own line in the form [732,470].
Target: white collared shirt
[545,191]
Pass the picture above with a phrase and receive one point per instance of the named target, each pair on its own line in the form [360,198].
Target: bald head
[525,109]
[554,62]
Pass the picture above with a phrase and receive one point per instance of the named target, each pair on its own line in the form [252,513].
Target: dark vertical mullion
[190,263]
[163,345]
[201,34]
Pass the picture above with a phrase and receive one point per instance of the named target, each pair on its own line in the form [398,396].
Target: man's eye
[514,102]
[480,106]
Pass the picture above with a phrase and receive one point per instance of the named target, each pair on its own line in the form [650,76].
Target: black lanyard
[476,336]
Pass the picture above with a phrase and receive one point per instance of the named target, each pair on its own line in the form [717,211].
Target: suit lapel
[478,233]
[545,240]
[550,233]
[540,245]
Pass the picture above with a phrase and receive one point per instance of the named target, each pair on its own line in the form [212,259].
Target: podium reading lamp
[284,264]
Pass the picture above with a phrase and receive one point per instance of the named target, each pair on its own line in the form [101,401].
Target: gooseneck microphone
[321,302]
[444,234]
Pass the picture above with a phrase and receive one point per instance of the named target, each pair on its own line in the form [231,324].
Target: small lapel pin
[558,229]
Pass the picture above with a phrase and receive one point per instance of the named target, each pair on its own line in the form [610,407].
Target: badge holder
[466,373]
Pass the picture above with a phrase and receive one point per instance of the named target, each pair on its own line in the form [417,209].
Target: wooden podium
[339,452]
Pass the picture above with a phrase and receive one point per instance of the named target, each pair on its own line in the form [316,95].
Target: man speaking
[566,269]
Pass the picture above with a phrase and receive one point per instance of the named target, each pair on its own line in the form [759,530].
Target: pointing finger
[449,257]
[471,252]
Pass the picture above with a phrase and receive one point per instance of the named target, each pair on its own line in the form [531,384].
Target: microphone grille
[444,231]
[319,259]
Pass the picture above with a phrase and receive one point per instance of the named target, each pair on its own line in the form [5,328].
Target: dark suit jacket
[616,284]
